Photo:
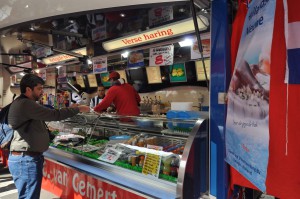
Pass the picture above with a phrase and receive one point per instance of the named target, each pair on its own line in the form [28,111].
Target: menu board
[80,81]
[161,56]
[153,74]
[105,79]
[151,165]
[200,69]
[205,40]
[122,74]
[178,73]
[92,80]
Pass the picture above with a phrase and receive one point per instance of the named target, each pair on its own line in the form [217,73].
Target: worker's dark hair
[30,80]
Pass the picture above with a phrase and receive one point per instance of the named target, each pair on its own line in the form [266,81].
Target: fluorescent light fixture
[125,54]
[156,34]
[186,42]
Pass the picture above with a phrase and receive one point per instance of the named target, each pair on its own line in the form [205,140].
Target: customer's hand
[84,109]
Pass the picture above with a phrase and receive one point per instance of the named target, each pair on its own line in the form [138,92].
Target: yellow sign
[92,80]
[80,81]
[152,165]
[200,70]
[63,57]
[122,74]
[153,74]
[160,33]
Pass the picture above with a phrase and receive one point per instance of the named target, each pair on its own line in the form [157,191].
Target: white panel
[18,11]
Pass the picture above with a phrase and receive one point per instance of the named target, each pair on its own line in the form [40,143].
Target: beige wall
[182,94]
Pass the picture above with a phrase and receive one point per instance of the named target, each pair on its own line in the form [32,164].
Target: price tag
[151,165]
[110,155]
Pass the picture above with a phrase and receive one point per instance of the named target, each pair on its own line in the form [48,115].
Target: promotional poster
[247,124]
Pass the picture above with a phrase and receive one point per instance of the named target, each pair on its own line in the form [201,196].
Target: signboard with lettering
[80,81]
[105,79]
[136,59]
[152,165]
[92,80]
[99,33]
[153,74]
[67,182]
[160,15]
[178,73]
[63,57]
[200,69]
[155,34]
[161,56]
[205,40]
[99,64]
[16,69]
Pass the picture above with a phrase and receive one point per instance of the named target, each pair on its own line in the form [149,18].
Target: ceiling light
[186,42]
[89,61]
[32,27]
[27,6]
[58,66]
[122,15]
[181,10]
[125,54]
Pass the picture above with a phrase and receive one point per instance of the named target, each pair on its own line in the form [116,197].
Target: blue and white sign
[247,124]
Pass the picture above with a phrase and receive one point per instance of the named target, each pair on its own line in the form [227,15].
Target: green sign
[105,79]
[177,73]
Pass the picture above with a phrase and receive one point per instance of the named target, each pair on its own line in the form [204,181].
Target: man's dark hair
[30,80]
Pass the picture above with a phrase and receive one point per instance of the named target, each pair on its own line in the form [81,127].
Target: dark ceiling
[74,31]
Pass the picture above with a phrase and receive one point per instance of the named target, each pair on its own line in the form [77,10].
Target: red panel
[69,183]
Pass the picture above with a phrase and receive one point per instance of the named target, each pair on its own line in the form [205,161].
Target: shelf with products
[152,150]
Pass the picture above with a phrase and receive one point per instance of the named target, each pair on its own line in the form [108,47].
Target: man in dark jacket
[31,140]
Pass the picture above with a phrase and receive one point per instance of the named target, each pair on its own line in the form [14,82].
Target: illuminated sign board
[156,34]
[63,57]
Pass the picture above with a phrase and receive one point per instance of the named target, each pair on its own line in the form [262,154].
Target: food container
[144,123]
[119,138]
[182,106]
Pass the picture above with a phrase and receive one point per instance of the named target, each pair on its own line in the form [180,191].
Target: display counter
[108,156]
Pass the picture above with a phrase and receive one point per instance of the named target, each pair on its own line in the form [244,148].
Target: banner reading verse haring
[247,124]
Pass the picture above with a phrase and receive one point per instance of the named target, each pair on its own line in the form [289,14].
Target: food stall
[144,157]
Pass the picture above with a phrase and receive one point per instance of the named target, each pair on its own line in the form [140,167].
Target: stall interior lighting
[125,54]
[186,42]
[156,34]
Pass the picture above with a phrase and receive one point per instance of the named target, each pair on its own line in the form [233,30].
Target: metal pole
[199,40]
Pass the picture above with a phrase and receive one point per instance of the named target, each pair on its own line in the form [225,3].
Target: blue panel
[220,73]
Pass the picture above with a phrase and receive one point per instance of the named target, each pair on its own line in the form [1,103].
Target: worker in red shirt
[122,95]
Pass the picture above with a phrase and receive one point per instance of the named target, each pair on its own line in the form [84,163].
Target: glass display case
[156,156]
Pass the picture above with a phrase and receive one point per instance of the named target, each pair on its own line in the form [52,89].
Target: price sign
[110,155]
[151,165]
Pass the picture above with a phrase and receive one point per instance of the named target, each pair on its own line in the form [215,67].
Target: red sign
[67,182]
